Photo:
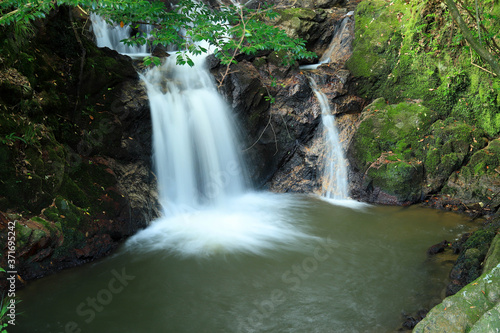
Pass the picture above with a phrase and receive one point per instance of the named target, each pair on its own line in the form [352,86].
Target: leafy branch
[229,29]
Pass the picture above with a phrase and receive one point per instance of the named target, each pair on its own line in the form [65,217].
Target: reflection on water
[326,268]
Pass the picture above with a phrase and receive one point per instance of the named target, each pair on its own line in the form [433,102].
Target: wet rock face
[76,172]
[272,131]
[283,140]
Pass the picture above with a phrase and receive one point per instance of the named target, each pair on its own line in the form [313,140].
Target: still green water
[353,270]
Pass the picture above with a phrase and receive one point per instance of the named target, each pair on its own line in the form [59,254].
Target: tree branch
[483,53]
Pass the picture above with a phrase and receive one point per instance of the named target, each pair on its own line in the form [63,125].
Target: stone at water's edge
[479,180]
[474,309]
[402,153]
[384,152]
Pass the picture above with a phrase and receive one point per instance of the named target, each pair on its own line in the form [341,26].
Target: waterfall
[338,43]
[334,185]
[111,36]
[194,144]
[207,208]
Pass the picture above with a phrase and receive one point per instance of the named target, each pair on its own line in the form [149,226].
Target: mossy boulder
[449,144]
[298,22]
[387,150]
[399,181]
[474,309]
[479,180]
[469,264]
[377,37]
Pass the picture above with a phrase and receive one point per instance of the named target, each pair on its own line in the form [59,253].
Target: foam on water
[349,203]
[207,207]
[255,223]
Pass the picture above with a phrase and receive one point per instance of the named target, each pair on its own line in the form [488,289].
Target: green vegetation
[186,25]
[415,51]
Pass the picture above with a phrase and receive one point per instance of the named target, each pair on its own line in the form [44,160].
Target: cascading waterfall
[195,149]
[110,36]
[337,43]
[207,207]
[334,184]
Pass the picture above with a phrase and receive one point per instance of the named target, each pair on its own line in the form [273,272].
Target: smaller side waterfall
[335,167]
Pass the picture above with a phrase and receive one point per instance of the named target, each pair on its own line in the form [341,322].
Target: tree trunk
[483,53]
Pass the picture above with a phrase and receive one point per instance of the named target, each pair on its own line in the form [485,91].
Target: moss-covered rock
[298,22]
[469,264]
[387,150]
[473,309]
[448,145]
[394,129]
[479,180]
[62,136]
[377,39]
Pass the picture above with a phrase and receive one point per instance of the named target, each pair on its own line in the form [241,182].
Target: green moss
[73,239]
[376,39]
[390,128]
[51,227]
[23,234]
[259,62]
[37,235]
[481,241]
[401,179]
[52,213]
[297,13]
[69,189]
[486,160]
[70,220]
[403,51]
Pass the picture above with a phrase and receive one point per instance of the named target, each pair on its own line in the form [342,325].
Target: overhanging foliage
[229,29]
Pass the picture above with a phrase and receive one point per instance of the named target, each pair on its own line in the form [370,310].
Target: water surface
[342,269]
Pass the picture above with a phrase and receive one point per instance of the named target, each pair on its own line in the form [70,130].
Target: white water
[336,44]
[110,36]
[207,208]
[194,144]
[334,184]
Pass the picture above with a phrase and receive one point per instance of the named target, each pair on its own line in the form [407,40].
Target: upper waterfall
[111,36]
[195,147]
